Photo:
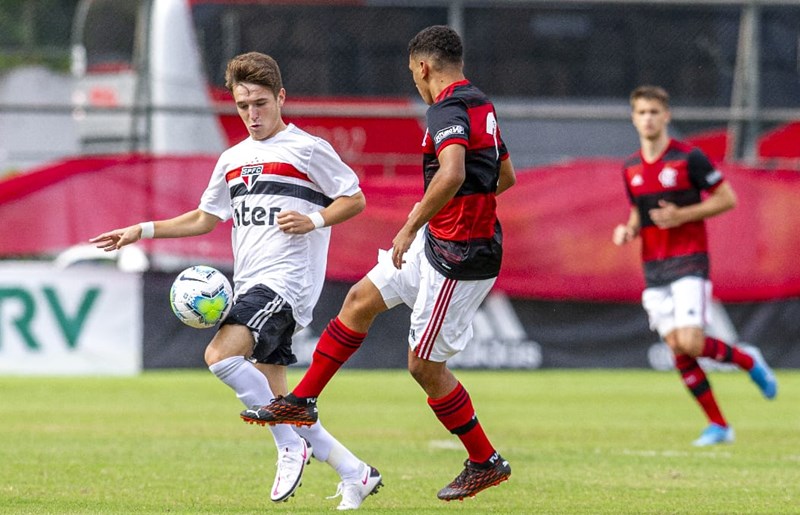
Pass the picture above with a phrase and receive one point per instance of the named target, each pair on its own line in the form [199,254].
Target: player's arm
[624,233]
[341,209]
[442,188]
[191,223]
[668,215]
[508,176]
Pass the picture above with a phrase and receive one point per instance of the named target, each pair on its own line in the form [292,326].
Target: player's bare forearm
[722,199]
[191,223]
[341,209]
[627,232]
[442,188]
[508,176]
[668,215]
[344,208]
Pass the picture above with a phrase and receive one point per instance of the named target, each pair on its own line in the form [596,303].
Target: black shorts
[270,319]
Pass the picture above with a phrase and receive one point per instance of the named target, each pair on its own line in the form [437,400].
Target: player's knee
[420,373]
[212,356]
[362,303]
[424,372]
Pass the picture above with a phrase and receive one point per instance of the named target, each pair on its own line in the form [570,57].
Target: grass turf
[578,442]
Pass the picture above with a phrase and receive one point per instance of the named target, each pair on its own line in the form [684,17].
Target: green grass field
[578,442]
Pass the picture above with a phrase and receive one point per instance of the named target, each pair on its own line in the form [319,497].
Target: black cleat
[475,478]
[284,410]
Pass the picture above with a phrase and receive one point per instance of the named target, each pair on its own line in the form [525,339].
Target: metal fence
[549,65]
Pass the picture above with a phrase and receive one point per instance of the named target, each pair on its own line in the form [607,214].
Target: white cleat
[290,472]
[353,493]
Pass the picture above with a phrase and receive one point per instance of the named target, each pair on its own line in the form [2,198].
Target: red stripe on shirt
[465,218]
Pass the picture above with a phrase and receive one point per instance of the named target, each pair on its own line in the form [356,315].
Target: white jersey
[252,182]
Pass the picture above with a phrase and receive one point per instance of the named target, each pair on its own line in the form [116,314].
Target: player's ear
[281,97]
[425,69]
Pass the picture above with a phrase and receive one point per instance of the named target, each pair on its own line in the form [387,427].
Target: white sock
[331,451]
[252,389]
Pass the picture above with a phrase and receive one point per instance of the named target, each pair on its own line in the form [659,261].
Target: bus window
[323,50]
[108,35]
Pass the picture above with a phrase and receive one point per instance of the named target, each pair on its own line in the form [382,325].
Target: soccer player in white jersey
[283,188]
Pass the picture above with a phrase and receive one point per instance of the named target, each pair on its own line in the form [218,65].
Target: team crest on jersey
[668,177]
[637,180]
[250,175]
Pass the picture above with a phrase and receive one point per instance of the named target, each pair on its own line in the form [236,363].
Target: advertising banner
[508,333]
[84,320]
[557,224]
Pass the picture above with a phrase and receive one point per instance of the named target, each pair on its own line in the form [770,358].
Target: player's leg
[337,343]
[342,337]
[383,288]
[441,328]
[358,479]
[696,382]
[659,304]
[690,300]
[713,348]
[261,312]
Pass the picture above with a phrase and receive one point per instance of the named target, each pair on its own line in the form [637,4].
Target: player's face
[650,117]
[419,69]
[259,109]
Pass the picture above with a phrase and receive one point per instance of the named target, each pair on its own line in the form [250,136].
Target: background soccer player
[443,262]
[673,188]
[283,188]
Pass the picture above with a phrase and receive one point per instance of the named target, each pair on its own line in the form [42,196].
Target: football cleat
[284,410]
[715,434]
[476,477]
[354,492]
[290,471]
[762,375]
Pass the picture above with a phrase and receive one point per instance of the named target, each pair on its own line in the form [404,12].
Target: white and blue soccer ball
[201,296]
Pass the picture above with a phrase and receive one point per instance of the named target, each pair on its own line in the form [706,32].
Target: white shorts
[442,308]
[683,303]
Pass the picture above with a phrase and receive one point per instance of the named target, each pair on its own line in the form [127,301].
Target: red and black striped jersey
[464,239]
[679,175]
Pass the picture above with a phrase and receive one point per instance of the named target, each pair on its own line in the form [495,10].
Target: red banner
[557,224]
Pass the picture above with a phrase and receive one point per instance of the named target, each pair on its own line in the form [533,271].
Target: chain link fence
[560,72]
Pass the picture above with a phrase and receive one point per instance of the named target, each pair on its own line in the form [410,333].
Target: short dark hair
[439,42]
[648,92]
[255,68]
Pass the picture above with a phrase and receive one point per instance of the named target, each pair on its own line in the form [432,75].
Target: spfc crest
[250,175]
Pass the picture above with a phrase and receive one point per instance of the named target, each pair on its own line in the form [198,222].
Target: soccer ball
[201,296]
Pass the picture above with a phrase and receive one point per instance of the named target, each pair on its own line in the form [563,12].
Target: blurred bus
[150,74]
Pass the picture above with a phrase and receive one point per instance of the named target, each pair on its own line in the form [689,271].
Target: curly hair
[439,42]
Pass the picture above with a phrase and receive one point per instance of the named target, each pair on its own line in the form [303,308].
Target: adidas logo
[499,339]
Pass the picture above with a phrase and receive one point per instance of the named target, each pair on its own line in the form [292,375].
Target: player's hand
[400,245]
[292,222]
[118,238]
[666,215]
[623,234]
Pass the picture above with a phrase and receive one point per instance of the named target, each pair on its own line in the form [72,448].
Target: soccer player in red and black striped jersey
[673,188]
[442,264]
